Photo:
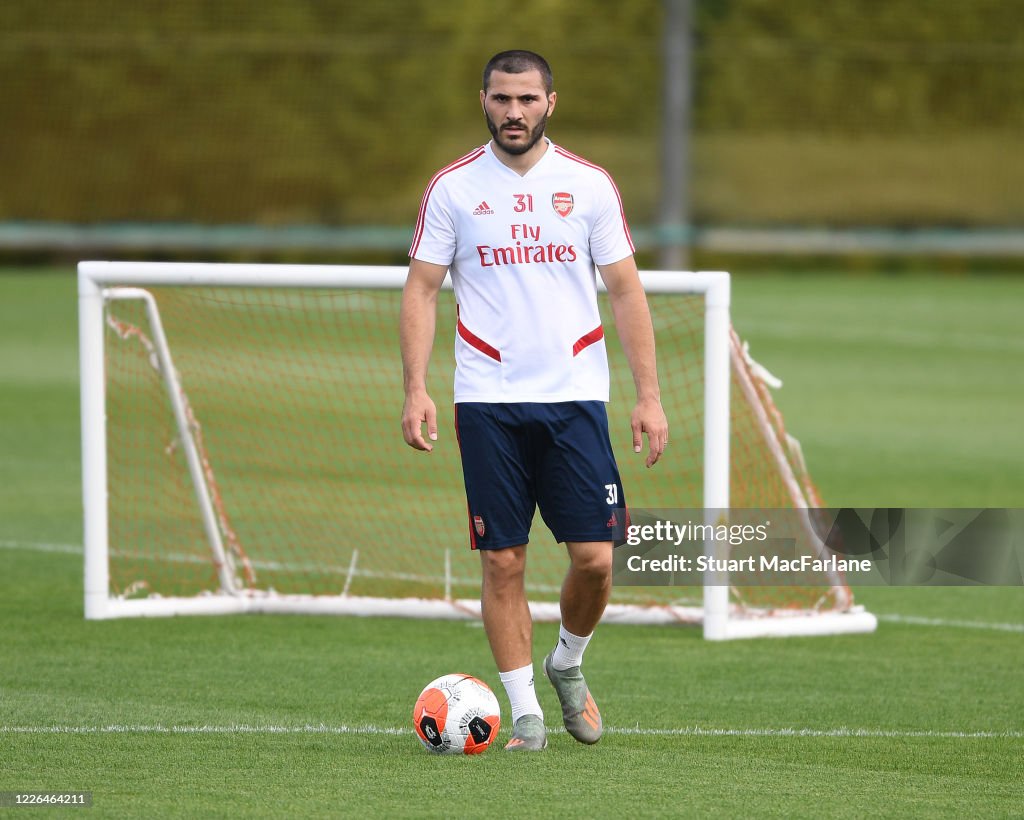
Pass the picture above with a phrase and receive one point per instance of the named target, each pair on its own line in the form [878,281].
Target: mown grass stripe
[369,729]
[915,620]
[910,620]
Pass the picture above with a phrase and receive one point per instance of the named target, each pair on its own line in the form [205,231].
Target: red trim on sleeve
[618,196]
[587,339]
[421,218]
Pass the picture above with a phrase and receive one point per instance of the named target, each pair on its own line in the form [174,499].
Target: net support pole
[176,396]
[94,453]
[716,446]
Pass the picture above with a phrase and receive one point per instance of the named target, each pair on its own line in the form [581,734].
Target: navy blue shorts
[558,457]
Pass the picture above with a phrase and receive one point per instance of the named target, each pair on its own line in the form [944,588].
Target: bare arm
[417,322]
[633,322]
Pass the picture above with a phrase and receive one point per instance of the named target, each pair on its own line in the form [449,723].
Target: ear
[483,96]
[552,99]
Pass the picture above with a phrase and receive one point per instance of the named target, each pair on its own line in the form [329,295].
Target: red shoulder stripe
[622,211]
[421,218]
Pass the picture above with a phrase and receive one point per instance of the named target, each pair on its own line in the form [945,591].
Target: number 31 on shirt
[524,203]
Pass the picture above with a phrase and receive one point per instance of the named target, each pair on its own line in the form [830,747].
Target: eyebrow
[530,95]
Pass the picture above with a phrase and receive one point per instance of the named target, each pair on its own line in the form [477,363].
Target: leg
[509,630]
[501,506]
[585,594]
[580,498]
[503,604]
[587,585]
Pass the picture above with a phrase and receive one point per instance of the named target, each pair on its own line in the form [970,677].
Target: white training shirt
[521,251]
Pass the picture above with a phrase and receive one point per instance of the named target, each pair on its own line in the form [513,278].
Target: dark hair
[518,62]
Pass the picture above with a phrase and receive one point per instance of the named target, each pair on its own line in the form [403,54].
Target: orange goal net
[252,455]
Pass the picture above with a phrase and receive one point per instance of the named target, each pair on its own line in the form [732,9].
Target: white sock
[518,685]
[569,649]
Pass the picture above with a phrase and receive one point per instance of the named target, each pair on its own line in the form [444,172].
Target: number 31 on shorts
[613,493]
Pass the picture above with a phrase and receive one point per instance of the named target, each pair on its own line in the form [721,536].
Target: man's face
[517,109]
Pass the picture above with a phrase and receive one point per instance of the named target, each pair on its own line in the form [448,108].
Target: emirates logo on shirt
[483,208]
[562,203]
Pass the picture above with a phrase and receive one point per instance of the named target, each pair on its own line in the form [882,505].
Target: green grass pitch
[905,391]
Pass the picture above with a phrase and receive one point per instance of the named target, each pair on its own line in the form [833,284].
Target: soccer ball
[456,715]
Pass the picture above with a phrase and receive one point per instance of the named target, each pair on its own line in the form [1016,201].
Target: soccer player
[521,224]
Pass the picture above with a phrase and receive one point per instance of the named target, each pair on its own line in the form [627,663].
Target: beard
[517,148]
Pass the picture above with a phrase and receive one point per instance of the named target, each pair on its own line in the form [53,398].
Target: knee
[505,566]
[594,563]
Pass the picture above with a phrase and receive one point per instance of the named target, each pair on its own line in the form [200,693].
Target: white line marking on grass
[697,731]
[269,566]
[323,729]
[915,620]
[239,729]
[911,620]
[30,546]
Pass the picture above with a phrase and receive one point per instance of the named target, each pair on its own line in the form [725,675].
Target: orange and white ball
[456,714]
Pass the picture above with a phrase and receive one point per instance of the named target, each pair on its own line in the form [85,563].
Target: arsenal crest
[562,203]
[478,525]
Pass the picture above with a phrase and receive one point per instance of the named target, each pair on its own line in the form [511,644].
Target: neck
[520,163]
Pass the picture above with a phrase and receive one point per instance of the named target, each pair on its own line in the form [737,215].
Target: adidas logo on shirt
[482,209]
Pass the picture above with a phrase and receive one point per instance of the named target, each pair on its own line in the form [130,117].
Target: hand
[649,417]
[419,408]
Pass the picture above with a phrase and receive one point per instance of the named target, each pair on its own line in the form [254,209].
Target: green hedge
[317,112]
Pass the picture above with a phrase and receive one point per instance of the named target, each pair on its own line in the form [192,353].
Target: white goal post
[103,287]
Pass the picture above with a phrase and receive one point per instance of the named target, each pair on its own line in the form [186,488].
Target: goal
[242,452]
